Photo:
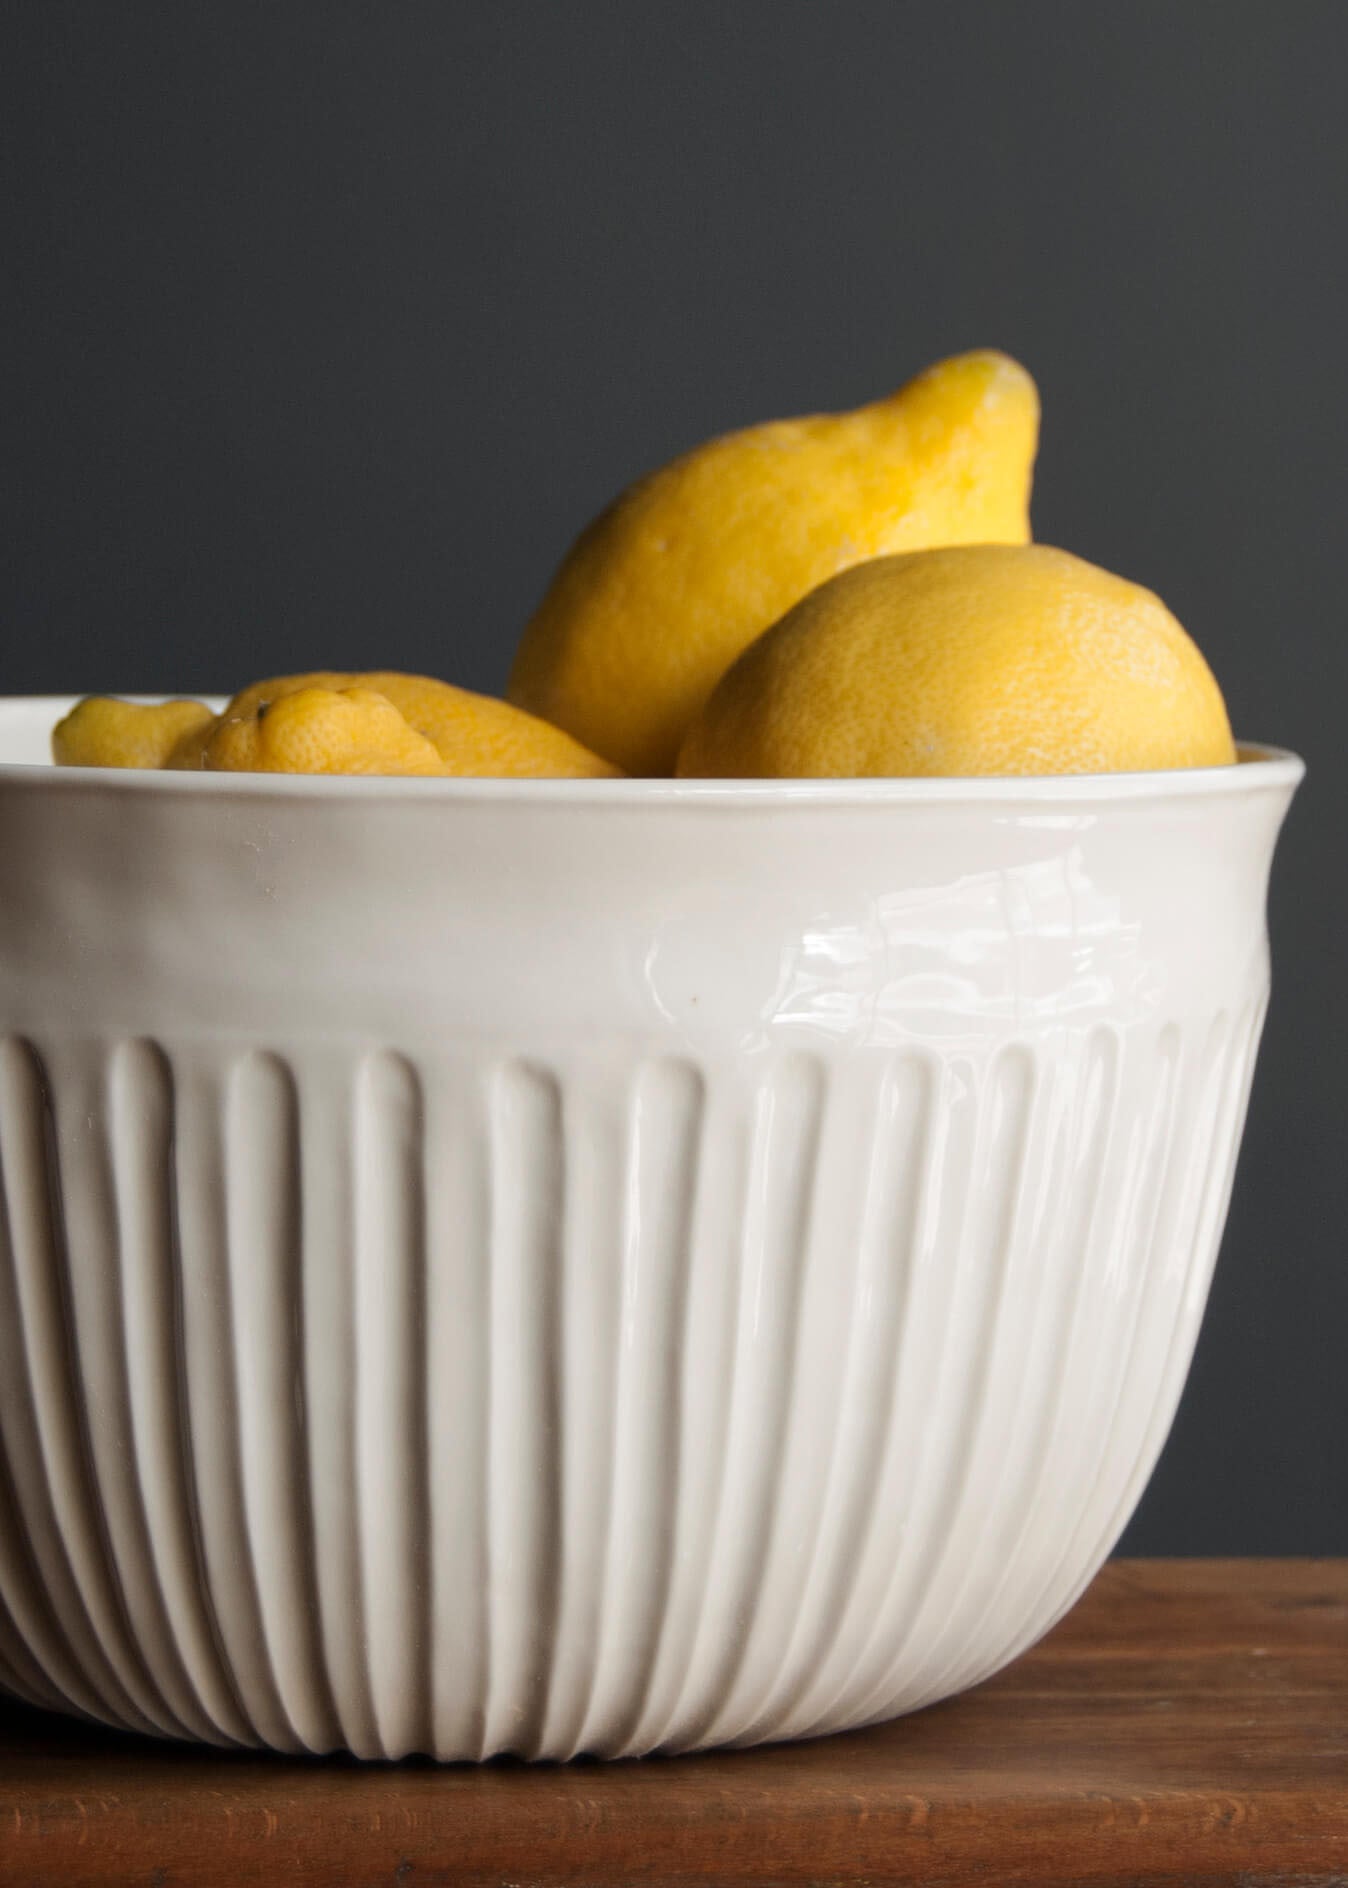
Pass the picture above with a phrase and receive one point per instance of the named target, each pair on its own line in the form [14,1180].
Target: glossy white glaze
[595,1266]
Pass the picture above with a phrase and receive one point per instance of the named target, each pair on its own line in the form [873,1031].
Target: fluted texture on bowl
[605,1402]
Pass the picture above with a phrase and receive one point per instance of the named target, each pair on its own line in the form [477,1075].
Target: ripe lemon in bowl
[327,722]
[672,581]
[981,659]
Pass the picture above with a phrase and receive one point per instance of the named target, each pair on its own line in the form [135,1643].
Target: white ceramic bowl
[595,1266]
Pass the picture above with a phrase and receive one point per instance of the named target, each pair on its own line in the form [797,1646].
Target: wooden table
[1187,1724]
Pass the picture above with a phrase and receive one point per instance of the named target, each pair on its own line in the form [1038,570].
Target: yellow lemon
[320,731]
[665,589]
[102,731]
[981,659]
[379,721]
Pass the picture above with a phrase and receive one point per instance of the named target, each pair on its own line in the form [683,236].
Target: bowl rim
[1259,765]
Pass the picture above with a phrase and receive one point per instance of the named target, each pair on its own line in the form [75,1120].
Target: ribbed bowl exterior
[748,1304]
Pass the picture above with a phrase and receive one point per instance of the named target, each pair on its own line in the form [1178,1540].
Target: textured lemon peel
[966,661]
[667,587]
[328,721]
[105,731]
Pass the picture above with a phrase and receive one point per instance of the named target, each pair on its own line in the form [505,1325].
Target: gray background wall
[326,326]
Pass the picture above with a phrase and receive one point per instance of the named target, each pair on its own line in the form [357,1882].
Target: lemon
[978,659]
[321,731]
[103,731]
[381,722]
[664,590]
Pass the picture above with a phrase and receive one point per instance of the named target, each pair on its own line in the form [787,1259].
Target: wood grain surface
[1187,1724]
